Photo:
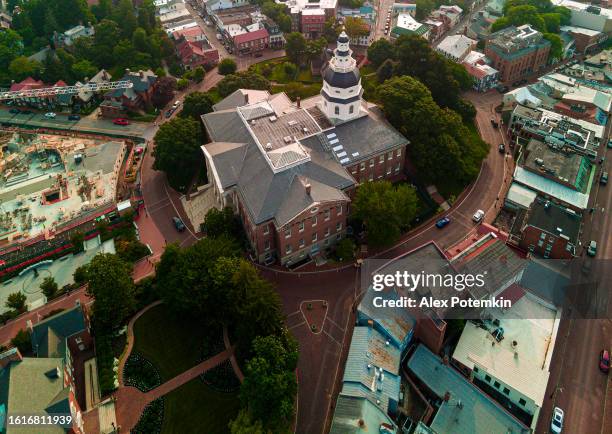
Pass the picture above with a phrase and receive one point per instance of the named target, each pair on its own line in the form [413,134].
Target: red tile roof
[251,36]
[189,33]
[27,84]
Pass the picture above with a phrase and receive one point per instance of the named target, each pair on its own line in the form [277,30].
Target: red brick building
[289,170]
[252,42]
[550,231]
[135,98]
[517,52]
[194,49]
[312,23]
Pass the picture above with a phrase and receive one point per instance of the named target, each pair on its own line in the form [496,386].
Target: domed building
[341,92]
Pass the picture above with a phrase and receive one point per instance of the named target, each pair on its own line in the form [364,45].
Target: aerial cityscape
[305,216]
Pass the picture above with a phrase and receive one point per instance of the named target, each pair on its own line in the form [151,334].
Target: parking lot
[89,124]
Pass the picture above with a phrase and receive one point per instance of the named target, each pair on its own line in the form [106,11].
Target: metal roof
[551,188]
[357,415]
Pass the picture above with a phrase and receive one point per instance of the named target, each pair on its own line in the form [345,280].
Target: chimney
[298,101]
[307,187]
[370,323]
[141,73]
[12,355]
[447,396]
[246,98]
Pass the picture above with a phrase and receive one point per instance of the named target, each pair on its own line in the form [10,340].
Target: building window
[496,384]
[371,177]
[389,170]
[267,245]
[314,237]
[339,210]
[476,369]
[397,167]
[326,242]
[390,156]
[327,214]
[362,167]
[288,249]
[381,159]
[372,162]
[301,242]
[266,230]
[338,227]
[522,401]
[327,232]
[506,391]
[314,220]
[337,110]
[351,109]
[487,378]
[287,232]
[301,226]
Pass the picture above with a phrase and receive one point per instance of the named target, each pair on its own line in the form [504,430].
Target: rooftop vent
[273,118]
[287,139]
[269,146]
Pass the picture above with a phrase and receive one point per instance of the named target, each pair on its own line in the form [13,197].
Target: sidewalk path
[233,360]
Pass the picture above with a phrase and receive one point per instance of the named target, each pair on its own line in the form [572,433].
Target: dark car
[603,180]
[442,222]
[74,118]
[14,111]
[502,148]
[604,361]
[169,113]
[258,55]
[26,112]
[178,224]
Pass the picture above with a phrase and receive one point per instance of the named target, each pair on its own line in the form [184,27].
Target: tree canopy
[379,51]
[295,47]
[227,66]
[356,27]
[440,144]
[221,222]
[385,210]
[242,80]
[196,104]
[177,148]
[110,284]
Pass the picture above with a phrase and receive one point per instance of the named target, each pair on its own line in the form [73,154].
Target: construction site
[47,181]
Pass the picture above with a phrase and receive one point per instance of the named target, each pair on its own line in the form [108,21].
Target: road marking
[334,323]
[297,325]
[333,339]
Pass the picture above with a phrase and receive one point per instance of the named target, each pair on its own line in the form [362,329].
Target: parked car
[478,215]
[121,121]
[603,179]
[592,249]
[258,54]
[176,104]
[169,113]
[604,361]
[556,424]
[502,148]
[26,112]
[610,143]
[14,111]
[178,224]
[442,222]
[50,115]
[74,118]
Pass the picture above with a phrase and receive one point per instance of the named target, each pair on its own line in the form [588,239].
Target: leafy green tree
[332,30]
[196,104]
[385,210]
[227,66]
[269,387]
[314,49]
[356,27]
[385,71]
[198,74]
[424,8]
[80,275]
[69,13]
[83,69]
[185,279]
[556,46]
[125,16]
[245,424]
[290,69]
[345,249]
[221,223]
[21,67]
[140,40]
[552,22]
[112,287]
[22,341]
[182,84]
[163,92]
[16,301]
[103,9]
[177,149]
[49,287]
[11,47]
[295,47]
[242,80]
[565,15]
[51,25]
[380,51]
[106,37]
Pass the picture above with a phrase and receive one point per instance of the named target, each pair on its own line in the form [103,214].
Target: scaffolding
[64,90]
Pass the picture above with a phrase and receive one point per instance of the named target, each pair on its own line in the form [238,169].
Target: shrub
[23,342]
[182,84]
[345,249]
[227,66]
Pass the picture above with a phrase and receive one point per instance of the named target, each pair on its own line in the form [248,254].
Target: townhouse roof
[358,415]
[468,410]
[554,219]
[49,336]
[251,36]
[456,46]
[372,368]
[27,84]
[547,279]
[551,188]
[406,24]
[141,80]
[521,360]
[241,97]
[188,33]
[34,386]
[580,30]
[491,257]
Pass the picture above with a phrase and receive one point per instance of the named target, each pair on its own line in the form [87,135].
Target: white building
[587,15]
[342,89]
[170,7]
[484,75]
[69,36]
[456,47]
[509,354]
[217,5]
[405,24]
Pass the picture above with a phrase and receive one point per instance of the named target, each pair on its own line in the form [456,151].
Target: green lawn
[194,407]
[173,346]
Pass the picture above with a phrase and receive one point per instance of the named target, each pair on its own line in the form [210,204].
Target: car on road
[494,123]
[556,424]
[592,249]
[442,222]
[26,112]
[74,118]
[604,361]
[14,111]
[50,115]
[478,215]
[257,54]
[603,179]
[502,148]
[121,121]
[502,89]
[178,224]
[169,113]
[610,143]
[176,104]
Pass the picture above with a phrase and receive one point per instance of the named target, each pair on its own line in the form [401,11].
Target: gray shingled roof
[49,336]
[227,158]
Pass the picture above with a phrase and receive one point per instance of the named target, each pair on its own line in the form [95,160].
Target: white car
[478,215]
[50,115]
[176,104]
[556,424]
